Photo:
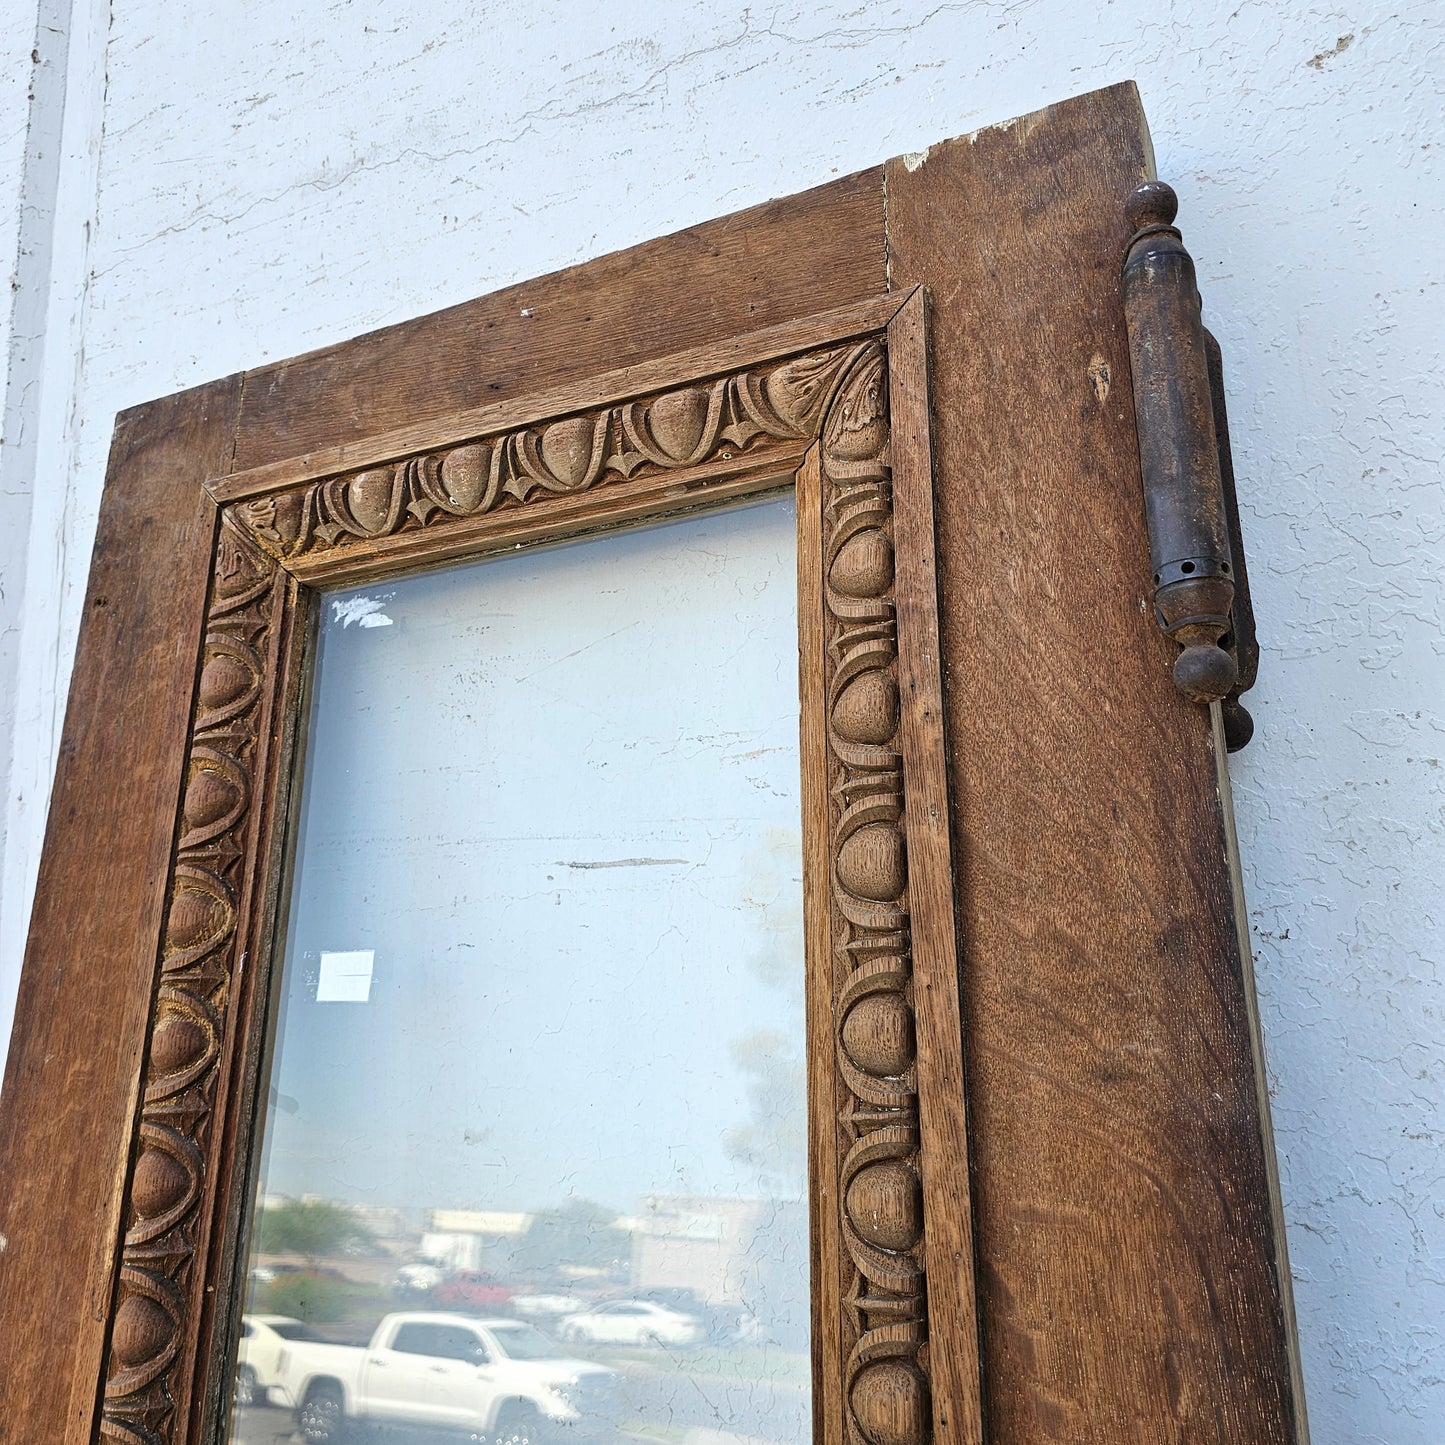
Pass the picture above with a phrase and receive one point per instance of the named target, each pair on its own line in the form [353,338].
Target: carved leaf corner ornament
[835,398]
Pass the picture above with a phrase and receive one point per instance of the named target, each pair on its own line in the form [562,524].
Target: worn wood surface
[553,519]
[716,358]
[824,1093]
[235,1144]
[773,263]
[1129,1289]
[721,421]
[942,1103]
[1127,1285]
[75,1058]
[881,1007]
[882,1142]
[207,949]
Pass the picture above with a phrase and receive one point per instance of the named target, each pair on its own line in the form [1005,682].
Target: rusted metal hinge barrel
[1178,398]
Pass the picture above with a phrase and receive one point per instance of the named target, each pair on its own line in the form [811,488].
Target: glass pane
[535,1148]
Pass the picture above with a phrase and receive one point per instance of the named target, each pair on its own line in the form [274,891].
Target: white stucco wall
[238,186]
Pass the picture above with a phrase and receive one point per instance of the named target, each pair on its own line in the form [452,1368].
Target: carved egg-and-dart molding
[158,1289]
[837,396]
[885,1380]
[678,429]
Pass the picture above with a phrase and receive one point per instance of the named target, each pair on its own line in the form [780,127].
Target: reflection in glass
[536,1135]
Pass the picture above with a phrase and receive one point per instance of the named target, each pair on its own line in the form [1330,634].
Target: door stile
[179,1148]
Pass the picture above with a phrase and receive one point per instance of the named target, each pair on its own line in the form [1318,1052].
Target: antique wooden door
[1040,1170]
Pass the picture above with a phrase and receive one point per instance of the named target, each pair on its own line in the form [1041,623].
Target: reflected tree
[313,1228]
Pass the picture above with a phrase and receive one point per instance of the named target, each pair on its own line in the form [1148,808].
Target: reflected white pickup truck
[493,1380]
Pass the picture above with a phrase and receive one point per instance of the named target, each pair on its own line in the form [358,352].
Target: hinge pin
[1194,567]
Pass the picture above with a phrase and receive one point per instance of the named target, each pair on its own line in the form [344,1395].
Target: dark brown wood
[559,517]
[1131,1279]
[74,1066]
[770,264]
[211,935]
[1131,1274]
[894,1338]
[700,437]
[583,456]
[889,1141]
[234,1152]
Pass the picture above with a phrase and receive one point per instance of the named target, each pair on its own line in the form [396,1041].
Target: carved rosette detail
[707,422]
[157,1290]
[886,1381]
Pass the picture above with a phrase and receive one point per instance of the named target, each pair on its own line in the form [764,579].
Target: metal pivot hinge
[1201,589]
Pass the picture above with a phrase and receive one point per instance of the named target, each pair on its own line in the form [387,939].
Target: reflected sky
[546,938]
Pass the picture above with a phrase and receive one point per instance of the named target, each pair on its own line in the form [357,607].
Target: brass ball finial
[1152,204]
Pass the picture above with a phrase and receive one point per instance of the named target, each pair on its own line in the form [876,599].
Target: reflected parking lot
[670,1400]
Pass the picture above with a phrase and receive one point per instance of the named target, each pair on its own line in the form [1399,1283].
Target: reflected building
[473,1239]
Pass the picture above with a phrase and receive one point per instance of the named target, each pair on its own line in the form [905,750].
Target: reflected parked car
[471,1289]
[545,1306]
[631,1322]
[418,1278]
[264,1339]
[493,1380]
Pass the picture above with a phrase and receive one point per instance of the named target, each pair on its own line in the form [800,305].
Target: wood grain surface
[1129,1277]
[75,1060]
[825,1097]
[1129,1270]
[775,262]
[942,1104]
[713,358]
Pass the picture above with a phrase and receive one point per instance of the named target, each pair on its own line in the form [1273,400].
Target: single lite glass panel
[535,1146]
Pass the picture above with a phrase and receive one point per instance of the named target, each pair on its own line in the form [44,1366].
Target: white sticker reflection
[345,977]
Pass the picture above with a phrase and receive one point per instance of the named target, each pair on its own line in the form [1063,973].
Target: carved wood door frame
[1049,896]
[815,401]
